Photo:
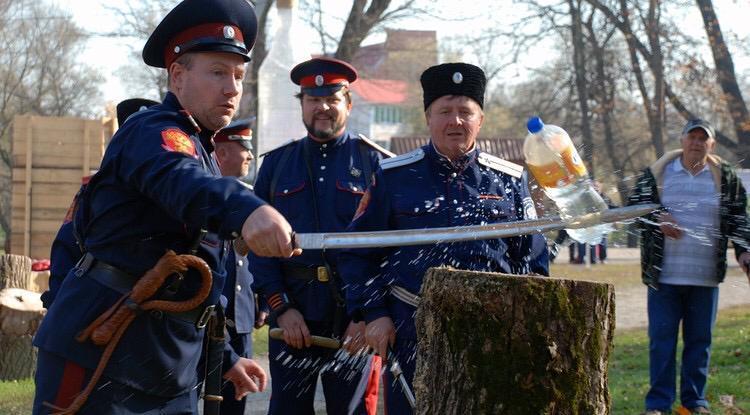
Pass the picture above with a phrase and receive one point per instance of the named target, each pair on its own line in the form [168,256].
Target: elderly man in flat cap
[448,182]
[158,190]
[684,259]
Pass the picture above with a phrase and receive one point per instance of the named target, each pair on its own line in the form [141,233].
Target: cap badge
[319,80]
[458,78]
[176,49]
[229,32]
[355,172]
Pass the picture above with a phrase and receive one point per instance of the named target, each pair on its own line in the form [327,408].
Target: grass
[729,374]
[621,275]
[628,369]
[16,397]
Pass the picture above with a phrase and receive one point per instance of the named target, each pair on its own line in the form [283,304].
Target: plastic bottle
[554,161]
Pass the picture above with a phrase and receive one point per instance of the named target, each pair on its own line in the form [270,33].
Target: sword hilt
[320,341]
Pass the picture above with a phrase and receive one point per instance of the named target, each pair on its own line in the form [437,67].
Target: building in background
[388,97]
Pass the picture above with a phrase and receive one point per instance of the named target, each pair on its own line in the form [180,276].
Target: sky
[107,54]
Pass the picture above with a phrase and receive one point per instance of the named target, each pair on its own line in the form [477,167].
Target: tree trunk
[502,344]
[582,90]
[15,271]
[21,312]
[727,79]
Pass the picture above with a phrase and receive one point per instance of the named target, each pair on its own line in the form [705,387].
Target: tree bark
[580,69]
[502,344]
[15,271]
[21,312]
[727,79]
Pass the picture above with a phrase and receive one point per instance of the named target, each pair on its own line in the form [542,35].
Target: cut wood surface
[21,312]
[15,271]
[503,344]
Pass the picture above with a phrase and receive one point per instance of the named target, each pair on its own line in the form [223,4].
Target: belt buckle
[205,316]
[323,274]
[83,264]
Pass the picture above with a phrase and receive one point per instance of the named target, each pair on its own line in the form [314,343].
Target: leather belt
[405,295]
[122,282]
[319,273]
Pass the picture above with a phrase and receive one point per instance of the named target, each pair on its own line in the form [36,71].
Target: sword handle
[320,341]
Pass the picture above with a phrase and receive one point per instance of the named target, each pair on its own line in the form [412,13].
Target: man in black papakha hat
[448,182]
[158,189]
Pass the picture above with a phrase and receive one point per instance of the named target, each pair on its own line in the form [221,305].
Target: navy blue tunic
[338,177]
[433,192]
[157,187]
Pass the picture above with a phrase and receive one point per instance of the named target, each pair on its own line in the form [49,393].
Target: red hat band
[313,81]
[205,33]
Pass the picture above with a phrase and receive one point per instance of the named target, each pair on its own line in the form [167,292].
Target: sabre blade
[406,237]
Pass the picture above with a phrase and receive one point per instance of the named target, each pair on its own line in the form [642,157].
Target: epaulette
[293,140]
[503,166]
[402,160]
[376,146]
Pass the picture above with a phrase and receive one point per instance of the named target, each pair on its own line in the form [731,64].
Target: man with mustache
[448,182]
[316,182]
[157,190]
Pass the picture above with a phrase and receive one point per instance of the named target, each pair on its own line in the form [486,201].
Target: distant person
[233,153]
[683,260]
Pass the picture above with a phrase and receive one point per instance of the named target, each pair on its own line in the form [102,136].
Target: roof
[510,149]
[381,91]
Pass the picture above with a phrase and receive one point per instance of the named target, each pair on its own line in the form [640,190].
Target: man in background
[683,260]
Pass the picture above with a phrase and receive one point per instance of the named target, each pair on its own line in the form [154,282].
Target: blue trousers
[242,344]
[59,381]
[696,308]
[294,376]
[405,349]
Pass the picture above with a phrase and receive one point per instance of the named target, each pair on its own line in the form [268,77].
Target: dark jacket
[733,221]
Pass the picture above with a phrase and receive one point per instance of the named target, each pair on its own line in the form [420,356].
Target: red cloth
[40,265]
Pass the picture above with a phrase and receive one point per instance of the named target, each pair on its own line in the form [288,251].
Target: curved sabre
[405,237]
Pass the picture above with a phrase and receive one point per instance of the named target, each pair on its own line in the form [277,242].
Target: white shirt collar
[677,167]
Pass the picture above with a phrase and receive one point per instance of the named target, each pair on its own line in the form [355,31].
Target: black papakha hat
[130,106]
[202,26]
[453,79]
[321,77]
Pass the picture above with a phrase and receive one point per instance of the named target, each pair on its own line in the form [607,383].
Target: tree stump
[503,344]
[21,312]
[15,271]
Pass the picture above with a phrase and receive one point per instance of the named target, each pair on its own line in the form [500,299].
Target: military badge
[355,172]
[176,140]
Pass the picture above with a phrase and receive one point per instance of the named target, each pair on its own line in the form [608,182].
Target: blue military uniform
[157,189]
[239,308]
[317,187]
[66,252]
[425,189]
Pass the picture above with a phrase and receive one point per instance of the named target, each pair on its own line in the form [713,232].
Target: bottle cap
[534,125]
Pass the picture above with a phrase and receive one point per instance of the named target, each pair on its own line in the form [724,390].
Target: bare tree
[727,79]
[582,87]
[136,21]
[38,75]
